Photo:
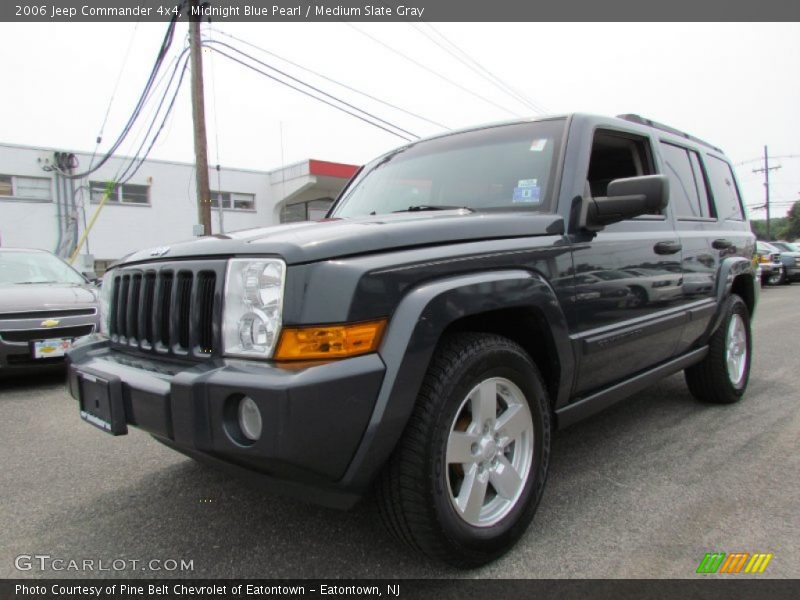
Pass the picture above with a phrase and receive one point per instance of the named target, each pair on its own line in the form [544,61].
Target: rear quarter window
[723,188]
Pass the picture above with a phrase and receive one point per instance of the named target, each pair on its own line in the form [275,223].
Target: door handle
[721,244]
[667,247]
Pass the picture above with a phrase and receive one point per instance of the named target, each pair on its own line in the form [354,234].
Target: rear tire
[467,475]
[722,376]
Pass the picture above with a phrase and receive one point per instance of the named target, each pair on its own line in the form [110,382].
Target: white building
[39,208]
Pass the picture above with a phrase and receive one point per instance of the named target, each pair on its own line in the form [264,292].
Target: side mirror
[627,198]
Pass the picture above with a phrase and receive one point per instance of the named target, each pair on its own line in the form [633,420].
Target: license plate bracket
[101,403]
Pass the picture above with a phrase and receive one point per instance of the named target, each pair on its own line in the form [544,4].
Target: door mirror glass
[625,199]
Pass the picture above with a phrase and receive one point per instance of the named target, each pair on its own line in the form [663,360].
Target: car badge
[50,323]
[160,251]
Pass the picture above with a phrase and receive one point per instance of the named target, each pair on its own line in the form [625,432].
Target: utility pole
[199,119]
[766,169]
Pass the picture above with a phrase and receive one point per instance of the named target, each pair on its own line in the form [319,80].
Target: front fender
[413,333]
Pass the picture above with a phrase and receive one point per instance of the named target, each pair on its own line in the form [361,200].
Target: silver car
[45,305]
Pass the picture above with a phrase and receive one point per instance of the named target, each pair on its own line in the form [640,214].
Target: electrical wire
[164,120]
[162,52]
[309,94]
[316,89]
[178,66]
[468,61]
[114,93]
[332,80]
[433,72]
[159,91]
[761,159]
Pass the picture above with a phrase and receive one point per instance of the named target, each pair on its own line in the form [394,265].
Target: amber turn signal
[329,341]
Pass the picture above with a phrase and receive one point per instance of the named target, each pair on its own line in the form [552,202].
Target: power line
[761,158]
[162,52]
[311,95]
[460,55]
[431,71]
[158,93]
[308,85]
[130,171]
[332,80]
[114,93]
[161,126]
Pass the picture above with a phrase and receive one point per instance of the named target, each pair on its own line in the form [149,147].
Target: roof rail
[660,126]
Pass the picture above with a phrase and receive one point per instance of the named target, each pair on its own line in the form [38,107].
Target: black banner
[732,588]
[221,11]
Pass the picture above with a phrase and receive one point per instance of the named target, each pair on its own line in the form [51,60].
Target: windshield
[35,267]
[502,167]
[787,246]
[765,247]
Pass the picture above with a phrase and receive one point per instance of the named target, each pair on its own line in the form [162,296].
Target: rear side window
[687,186]
[723,188]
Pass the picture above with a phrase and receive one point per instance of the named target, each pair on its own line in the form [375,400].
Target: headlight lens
[253,306]
[106,292]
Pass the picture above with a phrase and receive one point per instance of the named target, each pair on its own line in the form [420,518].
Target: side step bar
[586,407]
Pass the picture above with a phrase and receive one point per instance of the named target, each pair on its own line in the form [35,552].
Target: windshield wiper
[33,282]
[422,207]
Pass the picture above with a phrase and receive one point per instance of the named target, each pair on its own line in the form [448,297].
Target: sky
[734,85]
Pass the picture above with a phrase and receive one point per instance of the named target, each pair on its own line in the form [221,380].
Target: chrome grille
[168,308]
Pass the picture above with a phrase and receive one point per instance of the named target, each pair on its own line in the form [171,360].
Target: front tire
[468,473]
[722,376]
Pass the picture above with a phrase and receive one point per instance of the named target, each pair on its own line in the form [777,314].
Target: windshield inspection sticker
[528,194]
[538,145]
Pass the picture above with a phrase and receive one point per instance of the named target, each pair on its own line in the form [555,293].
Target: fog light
[249,419]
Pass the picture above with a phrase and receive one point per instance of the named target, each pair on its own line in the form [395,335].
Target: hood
[335,238]
[45,296]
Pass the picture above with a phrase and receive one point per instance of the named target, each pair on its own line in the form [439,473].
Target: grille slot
[165,304]
[45,314]
[132,326]
[182,297]
[122,307]
[167,308]
[205,311]
[28,335]
[148,299]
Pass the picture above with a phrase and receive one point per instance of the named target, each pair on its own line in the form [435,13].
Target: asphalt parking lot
[642,490]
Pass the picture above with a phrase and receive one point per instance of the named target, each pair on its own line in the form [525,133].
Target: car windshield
[22,268]
[764,247]
[502,167]
[787,246]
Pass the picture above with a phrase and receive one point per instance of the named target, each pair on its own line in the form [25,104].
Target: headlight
[251,319]
[106,293]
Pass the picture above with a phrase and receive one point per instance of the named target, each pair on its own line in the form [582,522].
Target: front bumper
[313,416]
[17,335]
[771,268]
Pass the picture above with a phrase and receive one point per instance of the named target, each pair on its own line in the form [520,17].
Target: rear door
[711,225]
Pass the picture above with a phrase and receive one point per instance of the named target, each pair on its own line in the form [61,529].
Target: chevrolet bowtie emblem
[50,323]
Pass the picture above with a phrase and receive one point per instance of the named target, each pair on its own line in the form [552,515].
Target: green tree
[791,228]
[776,225]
